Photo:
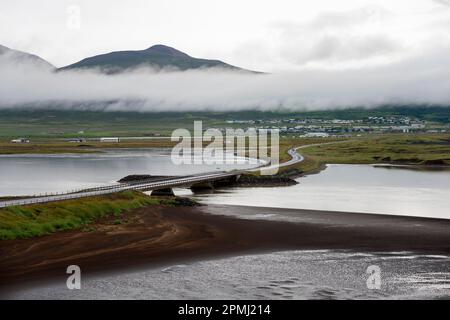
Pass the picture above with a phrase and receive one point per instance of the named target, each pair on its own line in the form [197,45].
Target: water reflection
[316,274]
[36,173]
[353,188]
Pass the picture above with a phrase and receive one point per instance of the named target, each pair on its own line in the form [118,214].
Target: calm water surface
[352,188]
[40,173]
[318,274]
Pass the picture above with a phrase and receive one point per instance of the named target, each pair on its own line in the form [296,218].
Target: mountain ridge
[157,56]
[21,56]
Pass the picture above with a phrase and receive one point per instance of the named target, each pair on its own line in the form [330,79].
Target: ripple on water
[321,274]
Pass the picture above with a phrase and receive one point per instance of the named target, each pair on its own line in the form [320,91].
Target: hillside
[20,57]
[157,56]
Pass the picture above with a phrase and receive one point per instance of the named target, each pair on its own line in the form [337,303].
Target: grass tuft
[40,219]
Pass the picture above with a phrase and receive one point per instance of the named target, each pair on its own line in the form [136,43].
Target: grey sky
[423,80]
[272,36]
[353,53]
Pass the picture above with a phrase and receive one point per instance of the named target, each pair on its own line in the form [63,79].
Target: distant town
[317,127]
[294,127]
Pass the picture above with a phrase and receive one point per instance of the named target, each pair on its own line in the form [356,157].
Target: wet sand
[159,235]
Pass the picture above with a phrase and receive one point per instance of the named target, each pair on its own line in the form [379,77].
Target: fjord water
[316,274]
[303,274]
[351,188]
[41,173]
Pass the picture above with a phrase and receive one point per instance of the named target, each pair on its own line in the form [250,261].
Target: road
[295,156]
[151,185]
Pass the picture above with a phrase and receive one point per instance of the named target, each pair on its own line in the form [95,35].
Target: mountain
[157,56]
[20,57]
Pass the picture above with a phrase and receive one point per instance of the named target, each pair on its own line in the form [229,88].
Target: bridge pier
[167,192]
[202,186]
[211,185]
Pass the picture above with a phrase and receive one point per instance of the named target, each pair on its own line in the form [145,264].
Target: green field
[41,219]
[46,146]
[423,150]
[394,149]
[52,123]
[93,124]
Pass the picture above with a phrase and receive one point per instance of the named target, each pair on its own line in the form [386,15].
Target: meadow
[420,150]
[40,219]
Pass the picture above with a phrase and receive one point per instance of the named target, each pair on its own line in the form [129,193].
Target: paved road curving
[152,185]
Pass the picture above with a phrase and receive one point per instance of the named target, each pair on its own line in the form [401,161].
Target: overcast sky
[273,36]
[320,54]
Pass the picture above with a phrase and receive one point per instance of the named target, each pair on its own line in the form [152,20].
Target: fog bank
[424,79]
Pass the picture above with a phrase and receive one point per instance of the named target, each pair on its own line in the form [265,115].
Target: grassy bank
[307,166]
[54,147]
[53,123]
[40,219]
[393,149]
[424,150]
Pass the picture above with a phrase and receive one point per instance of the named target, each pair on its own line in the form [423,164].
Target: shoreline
[158,235]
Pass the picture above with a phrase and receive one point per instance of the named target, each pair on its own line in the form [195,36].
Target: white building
[316,135]
[20,140]
[109,140]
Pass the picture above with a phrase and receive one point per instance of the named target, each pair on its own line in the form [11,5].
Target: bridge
[159,184]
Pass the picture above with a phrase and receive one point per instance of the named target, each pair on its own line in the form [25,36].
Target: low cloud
[424,79]
[336,37]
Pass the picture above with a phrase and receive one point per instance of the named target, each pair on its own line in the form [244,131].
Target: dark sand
[160,235]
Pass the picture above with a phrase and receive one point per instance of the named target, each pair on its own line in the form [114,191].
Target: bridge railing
[151,185]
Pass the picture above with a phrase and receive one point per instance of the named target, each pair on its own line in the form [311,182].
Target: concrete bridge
[161,186]
[185,181]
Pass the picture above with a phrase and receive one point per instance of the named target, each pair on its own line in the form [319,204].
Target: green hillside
[158,56]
